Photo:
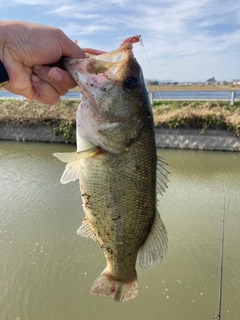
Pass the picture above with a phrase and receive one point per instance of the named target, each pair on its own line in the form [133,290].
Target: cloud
[38,2]
[73,28]
[70,11]
[173,31]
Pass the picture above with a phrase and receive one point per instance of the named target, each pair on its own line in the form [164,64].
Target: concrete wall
[38,133]
[197,139]
[165,138]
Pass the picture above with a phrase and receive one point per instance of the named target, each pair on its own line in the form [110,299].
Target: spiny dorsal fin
[154,249]
[162,176]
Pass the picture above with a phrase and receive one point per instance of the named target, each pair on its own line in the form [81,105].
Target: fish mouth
[101,71]
[113,93]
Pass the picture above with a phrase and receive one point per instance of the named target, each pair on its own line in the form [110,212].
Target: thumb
[70,49]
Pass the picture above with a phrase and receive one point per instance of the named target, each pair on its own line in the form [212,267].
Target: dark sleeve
[3,75]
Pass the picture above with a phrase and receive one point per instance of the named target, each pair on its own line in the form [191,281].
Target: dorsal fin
[162,176]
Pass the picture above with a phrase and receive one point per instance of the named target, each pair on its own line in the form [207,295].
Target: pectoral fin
[71,172]
[154,249]
[75,156]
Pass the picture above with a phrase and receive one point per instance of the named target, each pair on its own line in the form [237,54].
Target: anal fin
[154,249]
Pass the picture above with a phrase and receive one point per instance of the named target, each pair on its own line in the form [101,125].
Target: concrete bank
[165,138]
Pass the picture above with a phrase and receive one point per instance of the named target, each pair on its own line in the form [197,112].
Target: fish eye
[130,83]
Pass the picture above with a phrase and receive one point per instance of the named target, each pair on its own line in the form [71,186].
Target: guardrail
[158,95]
[195,95]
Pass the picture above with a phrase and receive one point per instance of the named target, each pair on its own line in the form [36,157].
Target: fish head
[114,98]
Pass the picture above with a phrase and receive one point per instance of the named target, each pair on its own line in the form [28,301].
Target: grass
[197,114]
[174,114]
[25,112]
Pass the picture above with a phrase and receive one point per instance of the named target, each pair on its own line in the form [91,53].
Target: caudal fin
[117,290]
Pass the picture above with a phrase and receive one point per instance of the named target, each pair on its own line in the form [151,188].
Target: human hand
[28,52]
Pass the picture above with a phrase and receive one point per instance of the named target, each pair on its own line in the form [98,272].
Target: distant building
[211,81]
[223,83]
[236,82]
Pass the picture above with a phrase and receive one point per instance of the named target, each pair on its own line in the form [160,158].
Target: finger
[70,49]
[62,81]
[133,39]
[45,92]
[93,51]
[61,78]
[61,46]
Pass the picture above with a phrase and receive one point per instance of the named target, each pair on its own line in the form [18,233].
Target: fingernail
[35,78]
[55,75]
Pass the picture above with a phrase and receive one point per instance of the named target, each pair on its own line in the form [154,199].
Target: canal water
[162,95]
[47,270]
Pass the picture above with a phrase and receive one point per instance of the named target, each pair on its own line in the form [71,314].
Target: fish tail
[105,285]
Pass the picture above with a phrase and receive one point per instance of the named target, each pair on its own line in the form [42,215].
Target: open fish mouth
[101,71]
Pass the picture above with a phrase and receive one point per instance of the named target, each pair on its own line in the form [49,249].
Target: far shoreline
[201,125]
[172,87]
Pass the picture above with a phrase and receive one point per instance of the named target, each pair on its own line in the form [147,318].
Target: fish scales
[121,203]
[116,163]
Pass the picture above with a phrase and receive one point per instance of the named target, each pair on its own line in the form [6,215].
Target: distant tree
[152,83]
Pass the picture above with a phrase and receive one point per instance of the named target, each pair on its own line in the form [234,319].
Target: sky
[182,40]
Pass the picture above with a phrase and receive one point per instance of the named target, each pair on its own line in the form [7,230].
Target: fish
[119,172]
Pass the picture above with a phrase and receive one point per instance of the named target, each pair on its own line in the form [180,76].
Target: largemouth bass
[118,169]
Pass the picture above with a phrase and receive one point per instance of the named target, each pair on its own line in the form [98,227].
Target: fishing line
[218,317]
[150,67]
[158,90]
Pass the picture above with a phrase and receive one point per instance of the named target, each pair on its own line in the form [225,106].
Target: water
[47,270]
[194,95]
[9,95]
[168,95]
[70,95]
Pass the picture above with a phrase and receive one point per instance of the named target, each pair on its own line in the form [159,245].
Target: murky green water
[47,270]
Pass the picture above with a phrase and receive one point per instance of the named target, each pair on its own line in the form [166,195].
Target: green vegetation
[174,114]
[65,129]
[62,117]
[26,112]
[198,114]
